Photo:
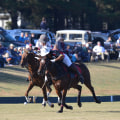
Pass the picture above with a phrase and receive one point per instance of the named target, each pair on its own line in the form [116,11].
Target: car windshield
[8,37]
[64,36]
[37,36]
[75,36]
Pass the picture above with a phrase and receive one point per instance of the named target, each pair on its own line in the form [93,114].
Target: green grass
[105,79]
[89,111]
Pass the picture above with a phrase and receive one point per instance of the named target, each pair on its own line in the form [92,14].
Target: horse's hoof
[52,105]
[59,104]
[98,101]
[70,107]
[60,111]
[44,105]
[80,105]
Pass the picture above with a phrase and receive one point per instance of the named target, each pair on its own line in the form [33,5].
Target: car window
[37,36]
[1,38]
[86,36]
[8,37]
[75,36]
[64,36]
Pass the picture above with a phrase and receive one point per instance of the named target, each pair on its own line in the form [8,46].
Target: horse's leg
[93,93]
[48,89]
[87,82]
[45,98]
[63,102]
[47,86]
[48,92]
[59,93]
[79,88]
[31,85]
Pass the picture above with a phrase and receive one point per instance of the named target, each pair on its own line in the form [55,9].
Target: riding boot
[74,69]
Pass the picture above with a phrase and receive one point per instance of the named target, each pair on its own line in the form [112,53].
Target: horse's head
[42,65]
[26,56]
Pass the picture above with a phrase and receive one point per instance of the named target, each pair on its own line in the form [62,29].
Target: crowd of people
[11,55]
[77,53]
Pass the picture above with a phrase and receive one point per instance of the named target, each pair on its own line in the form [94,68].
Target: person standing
[32,39]
[2,51]
[27,39]
[21,38]
[43,24]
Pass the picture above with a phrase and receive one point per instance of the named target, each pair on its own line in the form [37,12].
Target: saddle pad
[79,68]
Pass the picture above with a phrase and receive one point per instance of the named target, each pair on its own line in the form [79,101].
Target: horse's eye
[42,61]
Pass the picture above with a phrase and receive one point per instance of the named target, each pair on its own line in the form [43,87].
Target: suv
[74,36]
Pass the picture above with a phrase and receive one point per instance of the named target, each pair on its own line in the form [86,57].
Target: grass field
[105,79]
[89,111]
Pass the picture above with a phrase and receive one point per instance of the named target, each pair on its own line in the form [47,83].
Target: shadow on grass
[8,78]
[104,111]
[16,68]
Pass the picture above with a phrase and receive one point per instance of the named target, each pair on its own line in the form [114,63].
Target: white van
[74,36]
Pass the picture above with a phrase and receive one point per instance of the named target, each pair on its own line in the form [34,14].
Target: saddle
[63,69]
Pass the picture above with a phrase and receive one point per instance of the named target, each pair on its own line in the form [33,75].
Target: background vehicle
[16,33]
[6,39]
[74,36]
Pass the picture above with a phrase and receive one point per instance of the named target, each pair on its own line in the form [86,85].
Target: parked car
[72,37]
[16,33]
[6,39]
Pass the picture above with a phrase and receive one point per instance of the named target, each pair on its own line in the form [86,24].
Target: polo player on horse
[56,55]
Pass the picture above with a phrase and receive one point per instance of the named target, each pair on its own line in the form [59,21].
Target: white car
[74,36]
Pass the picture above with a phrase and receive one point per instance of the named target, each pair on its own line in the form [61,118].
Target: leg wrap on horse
[73,68]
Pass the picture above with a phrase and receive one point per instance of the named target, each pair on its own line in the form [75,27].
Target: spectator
[15,55]
[20,51]
[43,24]
[85,52]
[26,38]
[21,38]
[89,51]
[99,52]
[68,51]
[32,39]
[118,43]
[2,60]
[8,56]
[75,57]
[30,48]
[109,39]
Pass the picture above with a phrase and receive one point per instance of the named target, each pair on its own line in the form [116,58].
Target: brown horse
[28,60]
[65,81]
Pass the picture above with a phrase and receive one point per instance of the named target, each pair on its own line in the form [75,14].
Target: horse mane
[33,63]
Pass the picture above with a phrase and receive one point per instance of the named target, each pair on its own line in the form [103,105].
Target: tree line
[64,14]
